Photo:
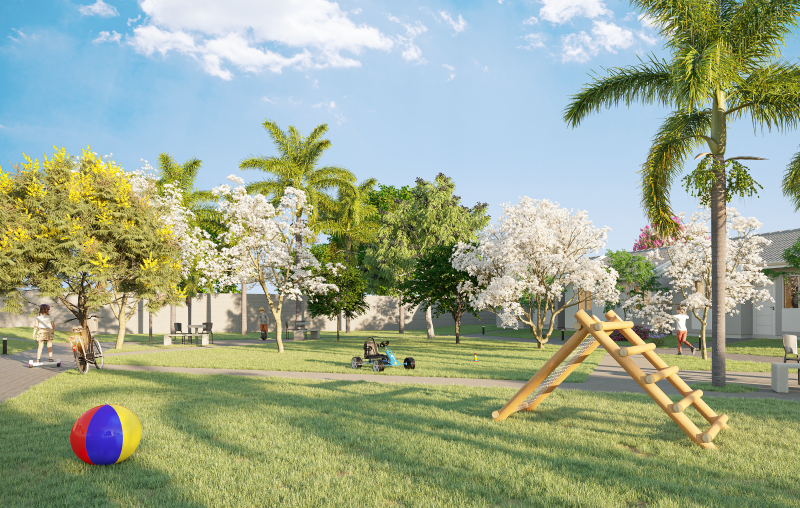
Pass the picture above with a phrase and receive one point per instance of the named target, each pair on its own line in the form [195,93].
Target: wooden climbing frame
[591,332]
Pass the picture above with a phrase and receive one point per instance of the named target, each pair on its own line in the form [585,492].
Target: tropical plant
[77,230]
[636,275]
[724,63]
[525,264]
[350,300]
[435,280]
[650,239]
[432,216]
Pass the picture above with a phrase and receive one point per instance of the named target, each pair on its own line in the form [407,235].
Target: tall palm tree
[296,166]
[201,203]
[724,62]
[349,220]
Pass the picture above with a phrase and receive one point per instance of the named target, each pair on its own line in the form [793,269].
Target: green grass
[465,329]
[26,332]
[525,333]
[19,345]
[728,388]
[135,346]
[759,347]
[227,441]
[159,338]
[438,358]
[687,362]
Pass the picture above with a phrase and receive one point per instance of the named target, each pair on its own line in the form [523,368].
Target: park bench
[299,331]
[780,376]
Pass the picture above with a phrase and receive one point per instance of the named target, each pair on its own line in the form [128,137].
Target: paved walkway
[16,377]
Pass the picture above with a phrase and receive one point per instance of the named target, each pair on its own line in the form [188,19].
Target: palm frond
[649,83]
[771,96]
[676,138]
[791,182]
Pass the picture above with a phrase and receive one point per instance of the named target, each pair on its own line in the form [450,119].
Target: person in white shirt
[680,319]
[263,323]
[43,330]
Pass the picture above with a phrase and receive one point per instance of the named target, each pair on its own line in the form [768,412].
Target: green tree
[431,216]
[792,258]
[435,280]
[724,63]
[297,165]
[636,276]
[350,300]
[82,236]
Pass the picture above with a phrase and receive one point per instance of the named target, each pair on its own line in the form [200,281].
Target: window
[584,300]
[790,292]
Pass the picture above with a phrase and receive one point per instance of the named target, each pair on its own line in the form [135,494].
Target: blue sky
[409,89]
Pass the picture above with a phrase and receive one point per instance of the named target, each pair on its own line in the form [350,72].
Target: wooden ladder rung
[717,426]
[635,350]
[661,374]
[687,401]
[612,325]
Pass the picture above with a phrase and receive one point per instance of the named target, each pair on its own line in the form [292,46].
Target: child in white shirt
[43,330]
[680,320]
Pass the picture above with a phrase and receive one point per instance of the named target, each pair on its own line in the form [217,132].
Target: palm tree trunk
[718,269]
[718,241]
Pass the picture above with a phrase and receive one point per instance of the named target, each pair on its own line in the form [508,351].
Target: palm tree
[349,220]
[724,62]
[201,203]
[296,166]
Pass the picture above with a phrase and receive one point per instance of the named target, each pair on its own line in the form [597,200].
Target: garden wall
[224,311]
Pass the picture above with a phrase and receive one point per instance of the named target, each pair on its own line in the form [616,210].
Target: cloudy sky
[408,89]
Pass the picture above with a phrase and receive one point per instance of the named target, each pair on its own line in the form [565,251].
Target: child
[43,330]
[681,319]
[263,322]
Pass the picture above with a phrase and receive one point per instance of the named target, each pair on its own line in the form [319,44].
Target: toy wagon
[379,361]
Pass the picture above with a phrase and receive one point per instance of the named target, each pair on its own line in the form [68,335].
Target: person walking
[44,329]
[263,323]
[680,319]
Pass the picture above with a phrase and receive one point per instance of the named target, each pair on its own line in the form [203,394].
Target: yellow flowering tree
[76,230]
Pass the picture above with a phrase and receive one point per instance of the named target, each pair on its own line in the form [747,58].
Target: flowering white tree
[267,246]
[527,261]
[689,271]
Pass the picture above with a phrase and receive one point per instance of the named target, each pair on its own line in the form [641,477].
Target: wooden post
[661,374]
[717,426]
[687,401]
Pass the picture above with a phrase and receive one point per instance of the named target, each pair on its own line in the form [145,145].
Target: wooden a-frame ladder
[580,346]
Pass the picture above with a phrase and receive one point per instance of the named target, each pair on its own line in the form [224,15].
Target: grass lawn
[728,388]
[19,345]
[438,358]
[26,332]
[759,347]
[688,362]
[227,441]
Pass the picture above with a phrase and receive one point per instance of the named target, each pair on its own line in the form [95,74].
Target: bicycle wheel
[80,358]
[97,353]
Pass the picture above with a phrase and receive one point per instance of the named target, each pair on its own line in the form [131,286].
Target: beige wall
[223,311]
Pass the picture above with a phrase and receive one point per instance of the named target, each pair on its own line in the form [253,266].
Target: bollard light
[483,330]
[5,346]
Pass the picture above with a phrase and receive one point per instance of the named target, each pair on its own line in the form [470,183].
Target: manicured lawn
[760,347]
[688,362]
[239,441]
[728,388]
[26,332]
[437,358]
[17,346]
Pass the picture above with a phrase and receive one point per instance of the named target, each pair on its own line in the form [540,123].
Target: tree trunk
[718,269]
[458,329]
[347,324]
[150,325]
[123,322]
[703,350]
[401,316]
[244,308]
[173,316]
[298,240]
[429,323]
[338,325]
[188,313]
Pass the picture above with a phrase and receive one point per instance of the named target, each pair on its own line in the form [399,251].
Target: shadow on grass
[290,442]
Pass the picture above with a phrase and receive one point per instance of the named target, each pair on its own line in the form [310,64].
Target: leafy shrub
[644,332]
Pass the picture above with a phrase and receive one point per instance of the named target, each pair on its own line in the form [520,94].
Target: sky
[474,90]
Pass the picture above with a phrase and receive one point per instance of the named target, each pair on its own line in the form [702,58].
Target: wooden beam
[717,426]
[661,374]
[687,401]
[612,325]
[635,350]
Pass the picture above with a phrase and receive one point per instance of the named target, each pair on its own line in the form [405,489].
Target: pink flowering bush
[650,239]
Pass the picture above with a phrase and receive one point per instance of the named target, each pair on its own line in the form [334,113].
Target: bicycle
[85,348]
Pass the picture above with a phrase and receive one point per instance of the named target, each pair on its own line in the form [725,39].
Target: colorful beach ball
[106,435]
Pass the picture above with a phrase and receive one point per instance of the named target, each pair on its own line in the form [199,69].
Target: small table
[198,330]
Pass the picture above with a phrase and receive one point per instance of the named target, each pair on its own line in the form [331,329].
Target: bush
[644,332]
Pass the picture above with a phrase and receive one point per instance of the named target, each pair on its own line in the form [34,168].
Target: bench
[168,337]
[299,332]
[780,376]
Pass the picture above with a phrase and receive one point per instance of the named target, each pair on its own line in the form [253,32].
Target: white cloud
[222,33]
[316,84]
[356,10]
[108,37]
[533,20]
[318,105]
[411,53]
[19,32]
[267,99]
[134,20]
[561,11]
[4,127]
[581,47]
[99,8]
[294,102]
[332,105]
[534,41]
[451,69]
[458,26]
[485,68]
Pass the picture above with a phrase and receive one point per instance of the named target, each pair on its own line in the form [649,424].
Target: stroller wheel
[377,365]
[408,363]
[355,362]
